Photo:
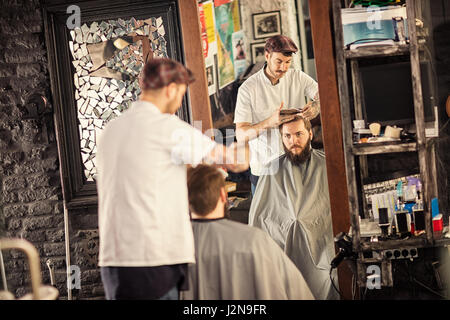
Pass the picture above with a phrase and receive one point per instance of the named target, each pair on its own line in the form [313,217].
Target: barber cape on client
[291,203]
[234,260]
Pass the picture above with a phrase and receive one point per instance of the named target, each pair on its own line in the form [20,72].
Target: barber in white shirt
[146,238]
[261,97]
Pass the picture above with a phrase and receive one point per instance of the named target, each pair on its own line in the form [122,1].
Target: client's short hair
[160,72]
[204,184]
[297,118]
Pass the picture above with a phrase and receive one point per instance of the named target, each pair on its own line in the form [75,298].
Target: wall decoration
[108,57]
[211,77]
[225,29]
[236,15]
[226,58]
[257,50]
[240,62]
[266,24]
[208,9]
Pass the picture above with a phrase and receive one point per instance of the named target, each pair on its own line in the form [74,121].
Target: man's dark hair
[204,184]
[160,72]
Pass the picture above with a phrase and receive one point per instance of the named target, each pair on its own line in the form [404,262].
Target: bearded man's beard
[298,159]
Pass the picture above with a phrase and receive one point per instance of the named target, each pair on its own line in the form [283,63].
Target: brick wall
[30,191]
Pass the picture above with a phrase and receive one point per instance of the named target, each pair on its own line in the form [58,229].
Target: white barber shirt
[142,189]
[258,99]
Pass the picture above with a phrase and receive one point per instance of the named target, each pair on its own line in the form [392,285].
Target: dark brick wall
[30,192]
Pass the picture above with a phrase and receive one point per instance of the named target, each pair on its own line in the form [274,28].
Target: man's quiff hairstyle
[204,185]
[160,72]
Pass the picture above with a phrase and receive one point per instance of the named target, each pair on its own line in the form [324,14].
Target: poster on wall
[236,15]
[225,29]
[205,43]
[240,62]
[218,3]
[211,77]
[208,11]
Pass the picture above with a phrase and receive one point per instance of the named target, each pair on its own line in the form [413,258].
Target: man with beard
[234,260]
[262,96]
[292,205]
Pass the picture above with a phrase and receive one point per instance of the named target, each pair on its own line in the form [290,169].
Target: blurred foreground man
[292,205]
[233,260]
[146,238]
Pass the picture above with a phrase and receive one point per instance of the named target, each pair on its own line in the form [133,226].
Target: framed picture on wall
[257,52]
[266,24]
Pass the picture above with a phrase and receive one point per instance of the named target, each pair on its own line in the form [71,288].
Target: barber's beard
[298,159]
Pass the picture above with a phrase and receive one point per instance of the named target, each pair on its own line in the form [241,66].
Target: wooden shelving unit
[347,63]
[362,149]
[376,51]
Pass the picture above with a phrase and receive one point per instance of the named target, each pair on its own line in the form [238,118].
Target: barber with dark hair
[262,96]
[146,238]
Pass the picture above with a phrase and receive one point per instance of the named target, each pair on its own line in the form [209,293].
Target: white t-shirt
[258,99]
[143,199]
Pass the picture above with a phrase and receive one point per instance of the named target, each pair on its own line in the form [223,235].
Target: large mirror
[234,38]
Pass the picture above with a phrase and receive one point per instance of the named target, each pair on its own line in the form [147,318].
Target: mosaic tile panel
[108,57]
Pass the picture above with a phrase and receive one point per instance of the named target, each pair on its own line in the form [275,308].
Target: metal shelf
[416,242]
[377,51]
[361,149]
[413,242]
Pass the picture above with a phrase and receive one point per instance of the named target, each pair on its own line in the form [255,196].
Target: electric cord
[353,287]
[366,39]
[332,282]
[429,289]
[410,274]
[374,2]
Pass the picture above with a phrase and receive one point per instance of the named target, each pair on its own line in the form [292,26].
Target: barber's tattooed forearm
[312,109]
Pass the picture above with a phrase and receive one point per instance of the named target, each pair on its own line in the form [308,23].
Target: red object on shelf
[412,227]
[437,223]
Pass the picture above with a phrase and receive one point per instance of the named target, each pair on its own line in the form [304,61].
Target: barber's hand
[276,119]
[311,110]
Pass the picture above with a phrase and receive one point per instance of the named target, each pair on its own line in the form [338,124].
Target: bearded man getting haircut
[292,205]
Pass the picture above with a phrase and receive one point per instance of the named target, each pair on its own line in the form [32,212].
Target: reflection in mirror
[287,181]
[108,57]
